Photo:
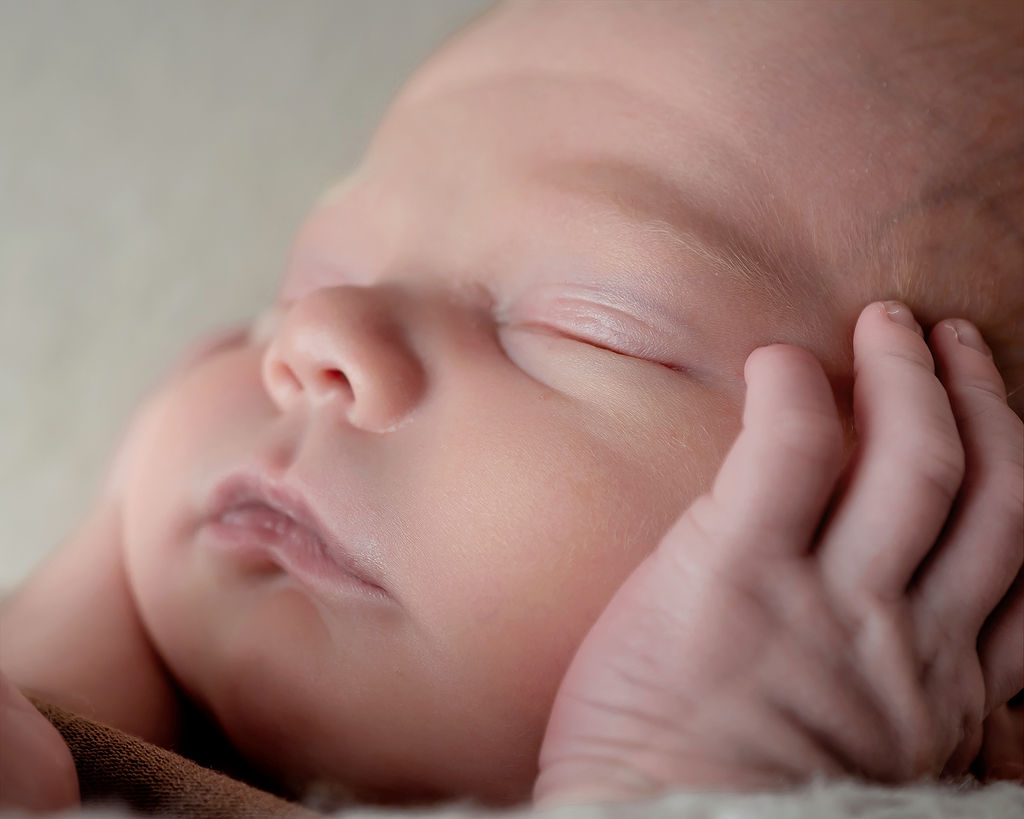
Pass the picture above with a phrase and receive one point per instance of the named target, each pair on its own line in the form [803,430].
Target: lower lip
[264,540]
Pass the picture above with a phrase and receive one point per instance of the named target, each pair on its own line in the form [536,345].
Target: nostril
[331,380]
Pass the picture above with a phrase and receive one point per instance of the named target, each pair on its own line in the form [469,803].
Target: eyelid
[600,325]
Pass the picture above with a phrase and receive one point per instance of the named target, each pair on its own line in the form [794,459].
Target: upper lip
[247,488]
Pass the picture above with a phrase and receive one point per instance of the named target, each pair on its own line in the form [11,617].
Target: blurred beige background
[155,158]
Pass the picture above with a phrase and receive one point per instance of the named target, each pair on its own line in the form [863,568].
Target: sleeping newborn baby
[592,445]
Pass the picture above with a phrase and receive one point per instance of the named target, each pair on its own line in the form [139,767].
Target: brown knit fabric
[117,768]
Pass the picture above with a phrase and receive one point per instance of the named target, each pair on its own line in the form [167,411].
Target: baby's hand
[799,622]
[37,772]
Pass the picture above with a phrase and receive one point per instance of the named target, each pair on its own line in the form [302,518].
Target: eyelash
[591,341]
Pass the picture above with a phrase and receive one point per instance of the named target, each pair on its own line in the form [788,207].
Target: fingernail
[900,313]
[968,335]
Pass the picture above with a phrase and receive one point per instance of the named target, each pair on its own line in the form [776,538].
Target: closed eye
[606,337]
[619,321]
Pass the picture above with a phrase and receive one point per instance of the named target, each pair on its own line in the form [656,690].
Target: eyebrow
[775,263]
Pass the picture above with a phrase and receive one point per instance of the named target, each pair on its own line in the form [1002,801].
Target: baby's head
[508,353]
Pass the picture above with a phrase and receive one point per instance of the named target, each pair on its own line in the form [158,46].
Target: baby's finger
[909,462]
[1001,648]
[1002,754]
[37,772]
[774,485]
[982,549]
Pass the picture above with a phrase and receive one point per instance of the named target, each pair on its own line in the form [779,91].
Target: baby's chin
[325,782]
[312,730]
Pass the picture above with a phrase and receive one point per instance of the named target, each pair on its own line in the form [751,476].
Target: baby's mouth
[276,530]
[262,525]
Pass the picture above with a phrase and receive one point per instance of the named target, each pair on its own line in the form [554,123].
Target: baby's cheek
[486,602]
[534,577]
[191,423]
[207,346]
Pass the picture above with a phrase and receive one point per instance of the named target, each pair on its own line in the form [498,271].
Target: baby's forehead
[660,164]
[820,97]
[620,115]
[572,182]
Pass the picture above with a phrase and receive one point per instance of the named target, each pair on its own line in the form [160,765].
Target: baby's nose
[344,347]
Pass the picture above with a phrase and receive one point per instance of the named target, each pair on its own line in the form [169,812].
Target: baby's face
[506,355]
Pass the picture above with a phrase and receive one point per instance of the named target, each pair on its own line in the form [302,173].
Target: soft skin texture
[509,351]
[539,290]
[806,618]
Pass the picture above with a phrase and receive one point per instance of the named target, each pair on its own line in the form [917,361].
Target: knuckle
[915,353]
[987,420]
[938,462]
[1006,490]
[978,390]
[702,523]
